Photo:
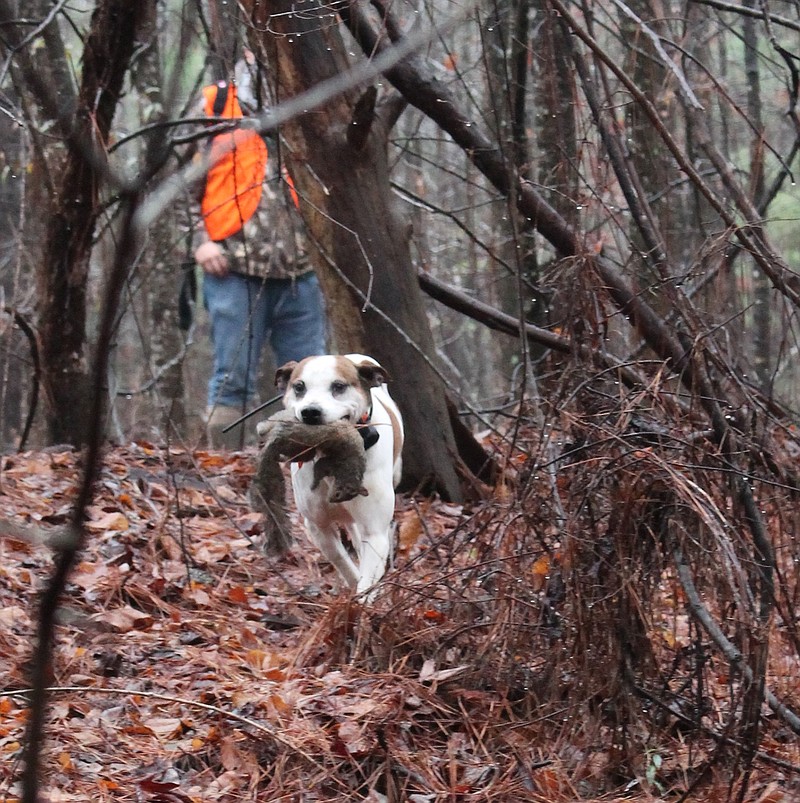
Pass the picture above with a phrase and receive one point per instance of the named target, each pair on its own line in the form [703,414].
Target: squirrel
[339,451]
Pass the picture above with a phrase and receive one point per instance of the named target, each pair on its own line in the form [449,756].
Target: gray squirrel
[339,451]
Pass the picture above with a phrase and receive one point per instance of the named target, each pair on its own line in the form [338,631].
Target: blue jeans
[245,311]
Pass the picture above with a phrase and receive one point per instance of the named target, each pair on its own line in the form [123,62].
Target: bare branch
[749,12]
[751,236]
[728,649]
[688,93]
[503,322]
[416,81]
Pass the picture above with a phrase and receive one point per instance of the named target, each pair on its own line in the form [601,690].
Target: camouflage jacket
[272,244]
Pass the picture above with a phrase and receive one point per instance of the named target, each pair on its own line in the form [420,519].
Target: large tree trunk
[37,185]
[650,161]
[63,276]
[557,152]
[163,256]
[13,382]
[341,172]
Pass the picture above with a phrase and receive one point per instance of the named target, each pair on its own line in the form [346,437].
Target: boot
[217,418]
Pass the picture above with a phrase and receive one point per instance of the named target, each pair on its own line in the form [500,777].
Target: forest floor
[189,667]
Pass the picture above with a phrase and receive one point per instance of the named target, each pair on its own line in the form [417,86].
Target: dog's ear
[282,375]
[372,375]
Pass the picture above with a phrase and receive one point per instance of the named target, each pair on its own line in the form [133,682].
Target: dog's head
[321,390]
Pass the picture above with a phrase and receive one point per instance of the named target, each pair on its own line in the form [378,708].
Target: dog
[350,387]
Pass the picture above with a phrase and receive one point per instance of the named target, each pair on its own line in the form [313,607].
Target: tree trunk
[556,128]
[14,383]
[341,171]
[557,153]
[63,277]
[650,161]
[163,257]
[762,292]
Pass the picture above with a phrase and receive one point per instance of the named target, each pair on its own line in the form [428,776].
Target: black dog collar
[369,435]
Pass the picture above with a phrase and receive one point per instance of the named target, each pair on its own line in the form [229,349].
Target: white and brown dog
[324,389]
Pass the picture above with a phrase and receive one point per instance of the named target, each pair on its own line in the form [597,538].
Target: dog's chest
[314,504]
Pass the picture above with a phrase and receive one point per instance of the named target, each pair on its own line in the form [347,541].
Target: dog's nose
[311,415]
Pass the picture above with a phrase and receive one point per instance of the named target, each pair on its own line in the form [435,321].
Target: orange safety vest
[238,167]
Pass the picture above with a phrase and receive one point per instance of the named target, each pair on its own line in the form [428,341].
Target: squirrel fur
[337,450]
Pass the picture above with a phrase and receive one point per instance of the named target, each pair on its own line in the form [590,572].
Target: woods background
[569,232]
[668,160]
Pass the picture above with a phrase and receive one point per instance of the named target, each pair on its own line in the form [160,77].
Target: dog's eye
[337,388]
[299,388]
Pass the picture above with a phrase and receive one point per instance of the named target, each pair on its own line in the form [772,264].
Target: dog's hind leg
[329,542]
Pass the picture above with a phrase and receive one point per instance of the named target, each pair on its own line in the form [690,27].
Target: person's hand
[211,258]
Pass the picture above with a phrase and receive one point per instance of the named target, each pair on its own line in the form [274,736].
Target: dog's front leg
[329,542]
[373,555]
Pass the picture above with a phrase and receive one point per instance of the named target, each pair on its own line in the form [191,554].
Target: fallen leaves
[191,669]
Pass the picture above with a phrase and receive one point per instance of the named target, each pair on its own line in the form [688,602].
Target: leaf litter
[190,668]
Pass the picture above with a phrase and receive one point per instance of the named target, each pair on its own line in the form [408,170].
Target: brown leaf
[164,728]
[354,739]
[114,521]
[125,619]
[773,794]
[237,594]
[409,532]
[430,673]
[229,753]
[163,792]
